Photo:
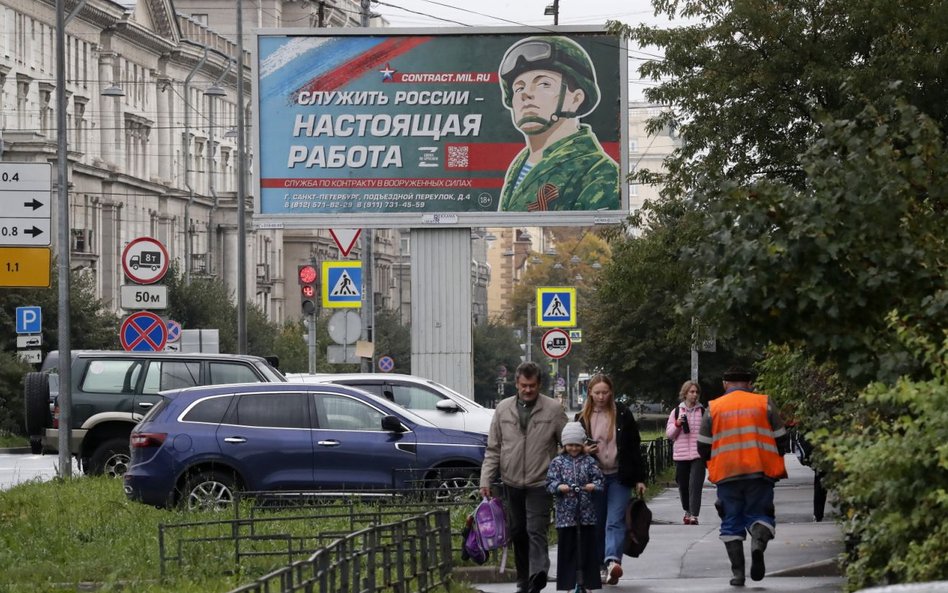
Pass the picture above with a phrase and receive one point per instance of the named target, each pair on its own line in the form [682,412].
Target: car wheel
[111,459]
[456,485]
[208,491]
[36,403]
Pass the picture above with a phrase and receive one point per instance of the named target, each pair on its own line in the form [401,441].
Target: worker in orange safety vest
[743,439]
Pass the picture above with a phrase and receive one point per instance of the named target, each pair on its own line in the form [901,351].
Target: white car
[440,405]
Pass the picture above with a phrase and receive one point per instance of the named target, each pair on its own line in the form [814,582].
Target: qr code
[458,156]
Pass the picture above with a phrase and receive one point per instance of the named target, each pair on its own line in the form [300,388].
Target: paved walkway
[691,558]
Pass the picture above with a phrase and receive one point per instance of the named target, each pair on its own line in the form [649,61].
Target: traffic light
[306,274]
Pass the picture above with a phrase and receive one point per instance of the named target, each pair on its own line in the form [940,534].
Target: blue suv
[197,446]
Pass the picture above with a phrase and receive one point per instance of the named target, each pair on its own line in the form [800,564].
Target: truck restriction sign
[145,260]
[556,343]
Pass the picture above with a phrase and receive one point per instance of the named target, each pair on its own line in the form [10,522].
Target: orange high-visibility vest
[742,440]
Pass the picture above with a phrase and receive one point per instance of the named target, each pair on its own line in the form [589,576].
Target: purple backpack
[486,530]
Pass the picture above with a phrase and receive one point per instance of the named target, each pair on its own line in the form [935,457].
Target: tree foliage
[812,172]
[824,265]
[393,339]
[889,466]
[495,346]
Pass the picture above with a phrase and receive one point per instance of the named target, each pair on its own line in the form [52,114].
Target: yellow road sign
[24,267]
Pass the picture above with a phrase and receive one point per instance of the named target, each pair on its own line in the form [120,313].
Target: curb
[822,568]
[15,450]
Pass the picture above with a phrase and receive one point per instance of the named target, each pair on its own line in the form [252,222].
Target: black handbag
[638,518]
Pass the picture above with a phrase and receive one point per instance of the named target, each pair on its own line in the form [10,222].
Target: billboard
[403,128]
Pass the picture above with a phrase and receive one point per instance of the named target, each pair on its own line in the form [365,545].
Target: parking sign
[29,320]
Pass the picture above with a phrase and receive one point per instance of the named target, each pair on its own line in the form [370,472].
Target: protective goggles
[529,52]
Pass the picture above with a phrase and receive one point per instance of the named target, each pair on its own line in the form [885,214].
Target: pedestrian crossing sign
[556,307]
[342,284]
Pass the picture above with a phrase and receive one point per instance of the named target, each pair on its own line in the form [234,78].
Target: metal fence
[657,456]
[413,554]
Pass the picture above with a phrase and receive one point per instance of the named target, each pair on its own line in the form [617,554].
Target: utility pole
[241,191]
[62,194]
[368,288]
[529,332]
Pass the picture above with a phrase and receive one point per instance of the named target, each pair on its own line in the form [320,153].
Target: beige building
[647,151]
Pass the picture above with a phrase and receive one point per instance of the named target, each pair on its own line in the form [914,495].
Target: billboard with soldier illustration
[493,128]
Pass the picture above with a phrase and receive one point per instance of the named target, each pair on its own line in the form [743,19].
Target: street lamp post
[554,11]
[529,352]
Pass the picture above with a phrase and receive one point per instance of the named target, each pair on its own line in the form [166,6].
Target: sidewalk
[691,558]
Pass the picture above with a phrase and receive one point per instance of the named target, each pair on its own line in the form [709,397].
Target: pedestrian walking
[615,443]
[572,478]
[803,449]
[682,429]
[744,440]
[521,443]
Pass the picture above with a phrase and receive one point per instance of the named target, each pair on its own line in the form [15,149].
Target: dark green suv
[112,391]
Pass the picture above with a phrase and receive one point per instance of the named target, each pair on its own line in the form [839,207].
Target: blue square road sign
[29,320]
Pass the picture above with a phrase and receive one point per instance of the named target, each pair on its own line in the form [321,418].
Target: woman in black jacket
[615,442]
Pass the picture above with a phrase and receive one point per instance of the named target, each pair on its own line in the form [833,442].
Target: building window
[633,145]
[22,101]
[81,240]
[79,122]
[46,108]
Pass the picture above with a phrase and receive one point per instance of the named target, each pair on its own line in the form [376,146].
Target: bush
[12,370]
[893,466]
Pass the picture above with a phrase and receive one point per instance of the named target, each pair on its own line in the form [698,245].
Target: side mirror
[392,424]
[448,405]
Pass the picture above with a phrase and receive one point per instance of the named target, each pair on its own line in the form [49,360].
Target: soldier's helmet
[554,53]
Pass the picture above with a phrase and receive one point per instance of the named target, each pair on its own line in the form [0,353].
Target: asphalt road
[18,468]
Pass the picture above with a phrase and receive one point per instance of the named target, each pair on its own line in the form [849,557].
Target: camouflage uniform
[574,174]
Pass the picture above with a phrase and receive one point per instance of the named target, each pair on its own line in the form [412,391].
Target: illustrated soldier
[549,83]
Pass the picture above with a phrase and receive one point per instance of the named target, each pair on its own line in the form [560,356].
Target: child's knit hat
[573,434]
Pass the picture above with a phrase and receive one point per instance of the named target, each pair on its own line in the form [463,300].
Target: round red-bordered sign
[145,260]
[556,343]
[143,332]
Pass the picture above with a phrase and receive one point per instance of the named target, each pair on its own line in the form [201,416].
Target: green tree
[638,332]
[823,266]
[812,171]
[204,303]
[495,346]
[393,339]
[289,346]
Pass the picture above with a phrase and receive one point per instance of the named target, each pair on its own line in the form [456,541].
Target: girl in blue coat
[572,478]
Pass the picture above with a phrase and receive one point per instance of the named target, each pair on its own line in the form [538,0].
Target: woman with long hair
[682,429]
[614,440]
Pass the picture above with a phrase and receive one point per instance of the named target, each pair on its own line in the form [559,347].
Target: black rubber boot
[735,553]
[760,535]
